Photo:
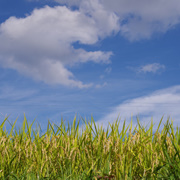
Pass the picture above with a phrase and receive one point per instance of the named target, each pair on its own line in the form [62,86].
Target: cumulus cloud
[139,18]
[154,68]
[162,102]
[41,44]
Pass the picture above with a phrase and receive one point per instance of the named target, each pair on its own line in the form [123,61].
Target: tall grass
[72,152]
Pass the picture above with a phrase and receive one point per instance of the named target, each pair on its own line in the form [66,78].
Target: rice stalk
[71,152]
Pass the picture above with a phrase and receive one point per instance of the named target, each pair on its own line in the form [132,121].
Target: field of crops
[72,152]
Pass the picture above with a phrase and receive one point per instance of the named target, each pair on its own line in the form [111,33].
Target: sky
[100,58]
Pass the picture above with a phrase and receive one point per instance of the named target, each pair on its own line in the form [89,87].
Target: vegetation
[72,152]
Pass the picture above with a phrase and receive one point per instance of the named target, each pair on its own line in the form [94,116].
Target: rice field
[72,152]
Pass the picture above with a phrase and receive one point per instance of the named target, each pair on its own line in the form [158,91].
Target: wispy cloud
[108,70]
[162,102]
[151,68]
[148,68]
[41,44]
[101,85]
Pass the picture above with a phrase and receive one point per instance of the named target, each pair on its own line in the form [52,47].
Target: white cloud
[139,18]
[70,2]
[142,18]
[101,85]
[101,76]
[154,68]
[162,102]
[108,70]
[41,44]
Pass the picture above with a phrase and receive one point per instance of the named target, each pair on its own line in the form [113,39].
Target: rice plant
[72,152]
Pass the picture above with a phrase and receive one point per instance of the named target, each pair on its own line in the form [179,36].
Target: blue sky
[102,58]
